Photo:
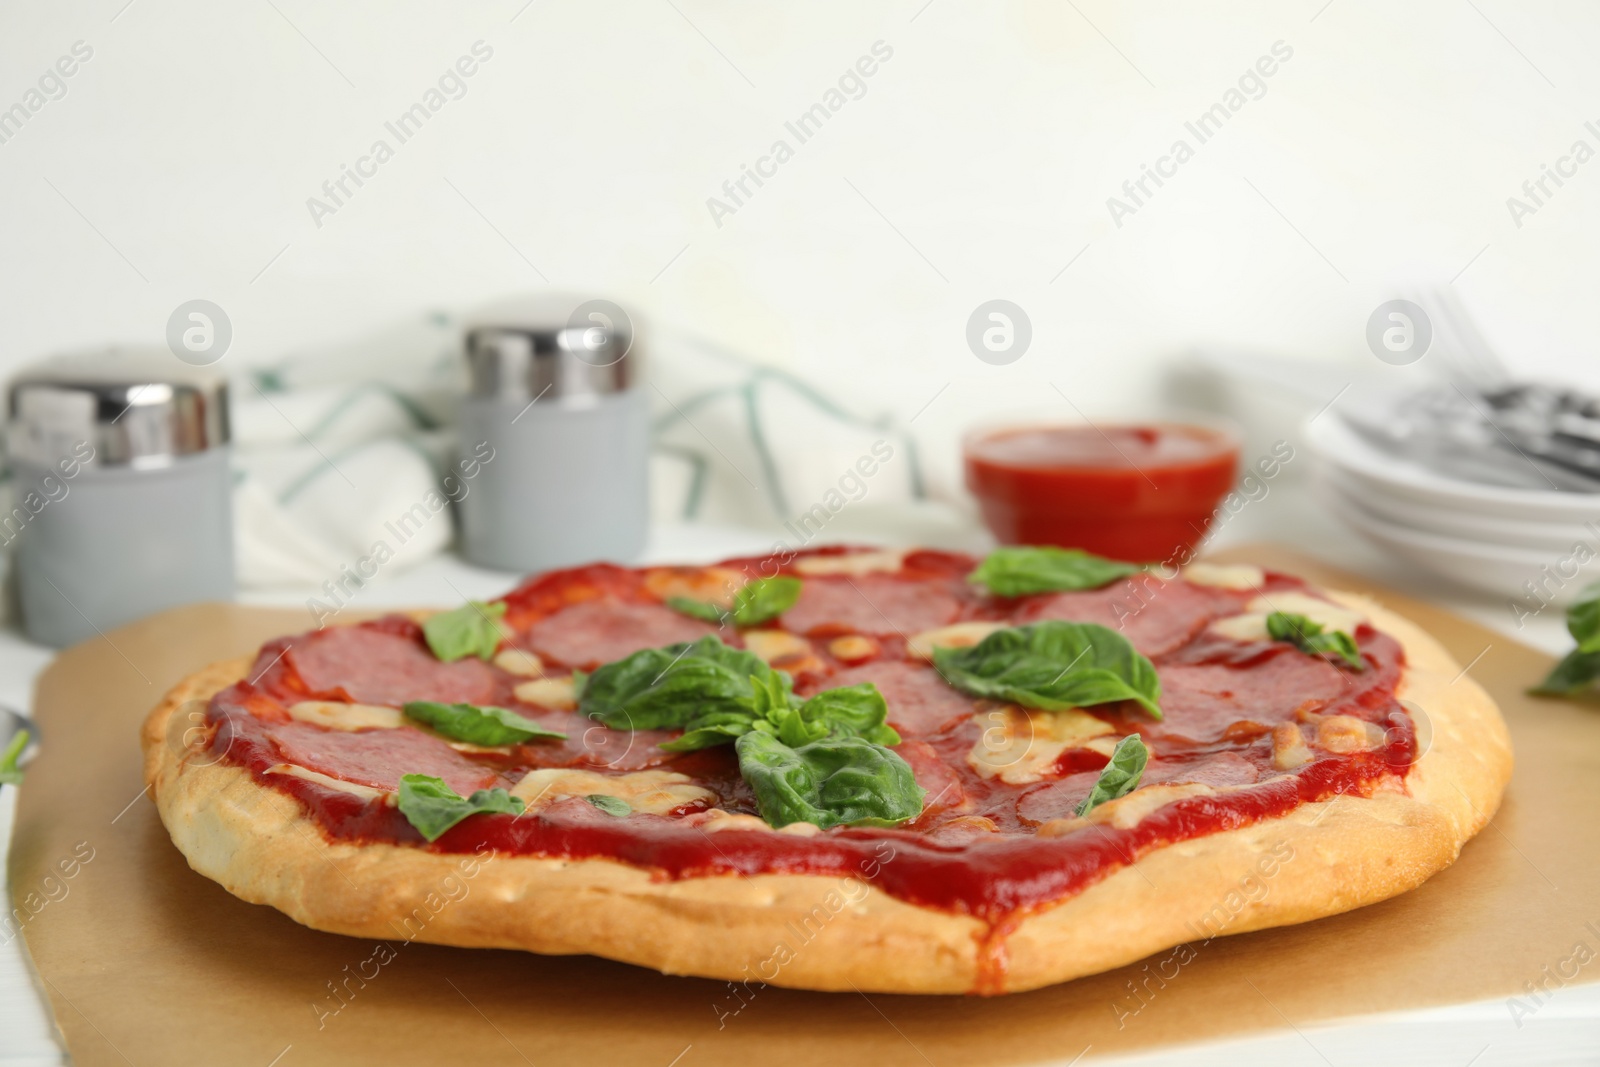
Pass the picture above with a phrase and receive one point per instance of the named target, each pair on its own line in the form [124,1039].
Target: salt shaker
[121,491]
[557,420]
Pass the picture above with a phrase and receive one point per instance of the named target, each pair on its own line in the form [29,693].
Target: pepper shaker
[557,419]
[121,491]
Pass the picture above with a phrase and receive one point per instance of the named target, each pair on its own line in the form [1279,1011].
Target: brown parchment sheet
[146,962]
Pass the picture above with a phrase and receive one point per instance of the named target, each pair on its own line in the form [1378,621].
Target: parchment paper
[146,962]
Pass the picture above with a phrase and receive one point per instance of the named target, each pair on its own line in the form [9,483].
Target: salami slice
[373,666]
[1200,701]
[1156,616]
[586,635]
[920,702]
[378,758]
[881,605]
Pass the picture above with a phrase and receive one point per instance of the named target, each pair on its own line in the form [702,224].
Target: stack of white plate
[1523,544]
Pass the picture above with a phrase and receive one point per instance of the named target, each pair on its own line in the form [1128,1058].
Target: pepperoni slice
[367,665]
[586,635]
[378,758]
[920,702]
[1200,701]
[1215,769]
[878,604]
[937,779]
[1156,616]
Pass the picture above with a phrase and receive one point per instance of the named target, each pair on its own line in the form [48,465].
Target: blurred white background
[977,164]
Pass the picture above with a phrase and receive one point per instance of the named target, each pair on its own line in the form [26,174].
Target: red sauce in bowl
[1139,493]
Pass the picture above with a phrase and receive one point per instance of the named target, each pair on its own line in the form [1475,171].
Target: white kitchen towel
[330,446]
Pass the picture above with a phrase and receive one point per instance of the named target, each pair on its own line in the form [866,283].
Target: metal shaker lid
[552,348]
[134,407]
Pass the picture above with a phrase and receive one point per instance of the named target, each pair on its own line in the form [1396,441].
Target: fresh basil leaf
[1575,673]
[758,601]
[579,680]
[433,807]
[852,711]
[1309,637]
[697,609]
[1583,618]
[1121,776]
[10,773]
[675,687]
[764,599]
[838,781]
[479,725]
[609,804]
[1023,569]
[1053,665]
[470,630]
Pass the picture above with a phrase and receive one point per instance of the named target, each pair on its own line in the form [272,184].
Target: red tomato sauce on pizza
[975,849]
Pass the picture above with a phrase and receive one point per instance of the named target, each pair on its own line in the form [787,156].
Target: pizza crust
[831,933]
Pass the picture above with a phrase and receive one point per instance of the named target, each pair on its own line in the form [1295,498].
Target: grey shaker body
[117,545]
[555,393]
[566,485]
[122,492]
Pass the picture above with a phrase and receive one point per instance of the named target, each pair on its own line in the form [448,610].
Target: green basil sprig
[758,601]
[479,725]
[433,807]
[470,630]
[1023,569]
[1580,667]
[1309,637]
[609,804]
[1119,777]
[818,760]
[837,781]
[684,686]
[1053,665]
[10,773]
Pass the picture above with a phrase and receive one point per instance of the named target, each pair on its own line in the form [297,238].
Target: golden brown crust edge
[829,933]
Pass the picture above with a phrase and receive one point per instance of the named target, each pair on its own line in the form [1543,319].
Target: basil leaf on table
[470,630]
[1053,665]
[433,807]
[1576,672]
[609,804]
[839,781]
[1119,777]
[478,725]
[10,773]
[1583,618]
[1023,569]
[757,601]
[682,686]
[1309,637]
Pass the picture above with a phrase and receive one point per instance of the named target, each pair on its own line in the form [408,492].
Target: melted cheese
[333,715]
[366,792]
[1289,747]
[1019,746]
[654,792]
[1252,626]
[858,563]
[956,635]
[1346,733]
[853,648]
[713,585]
[558,694]
[1225,575]
[1124,813]
[515,661]
[774,645]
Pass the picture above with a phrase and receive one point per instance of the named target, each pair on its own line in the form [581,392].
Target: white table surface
[1565,1030]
